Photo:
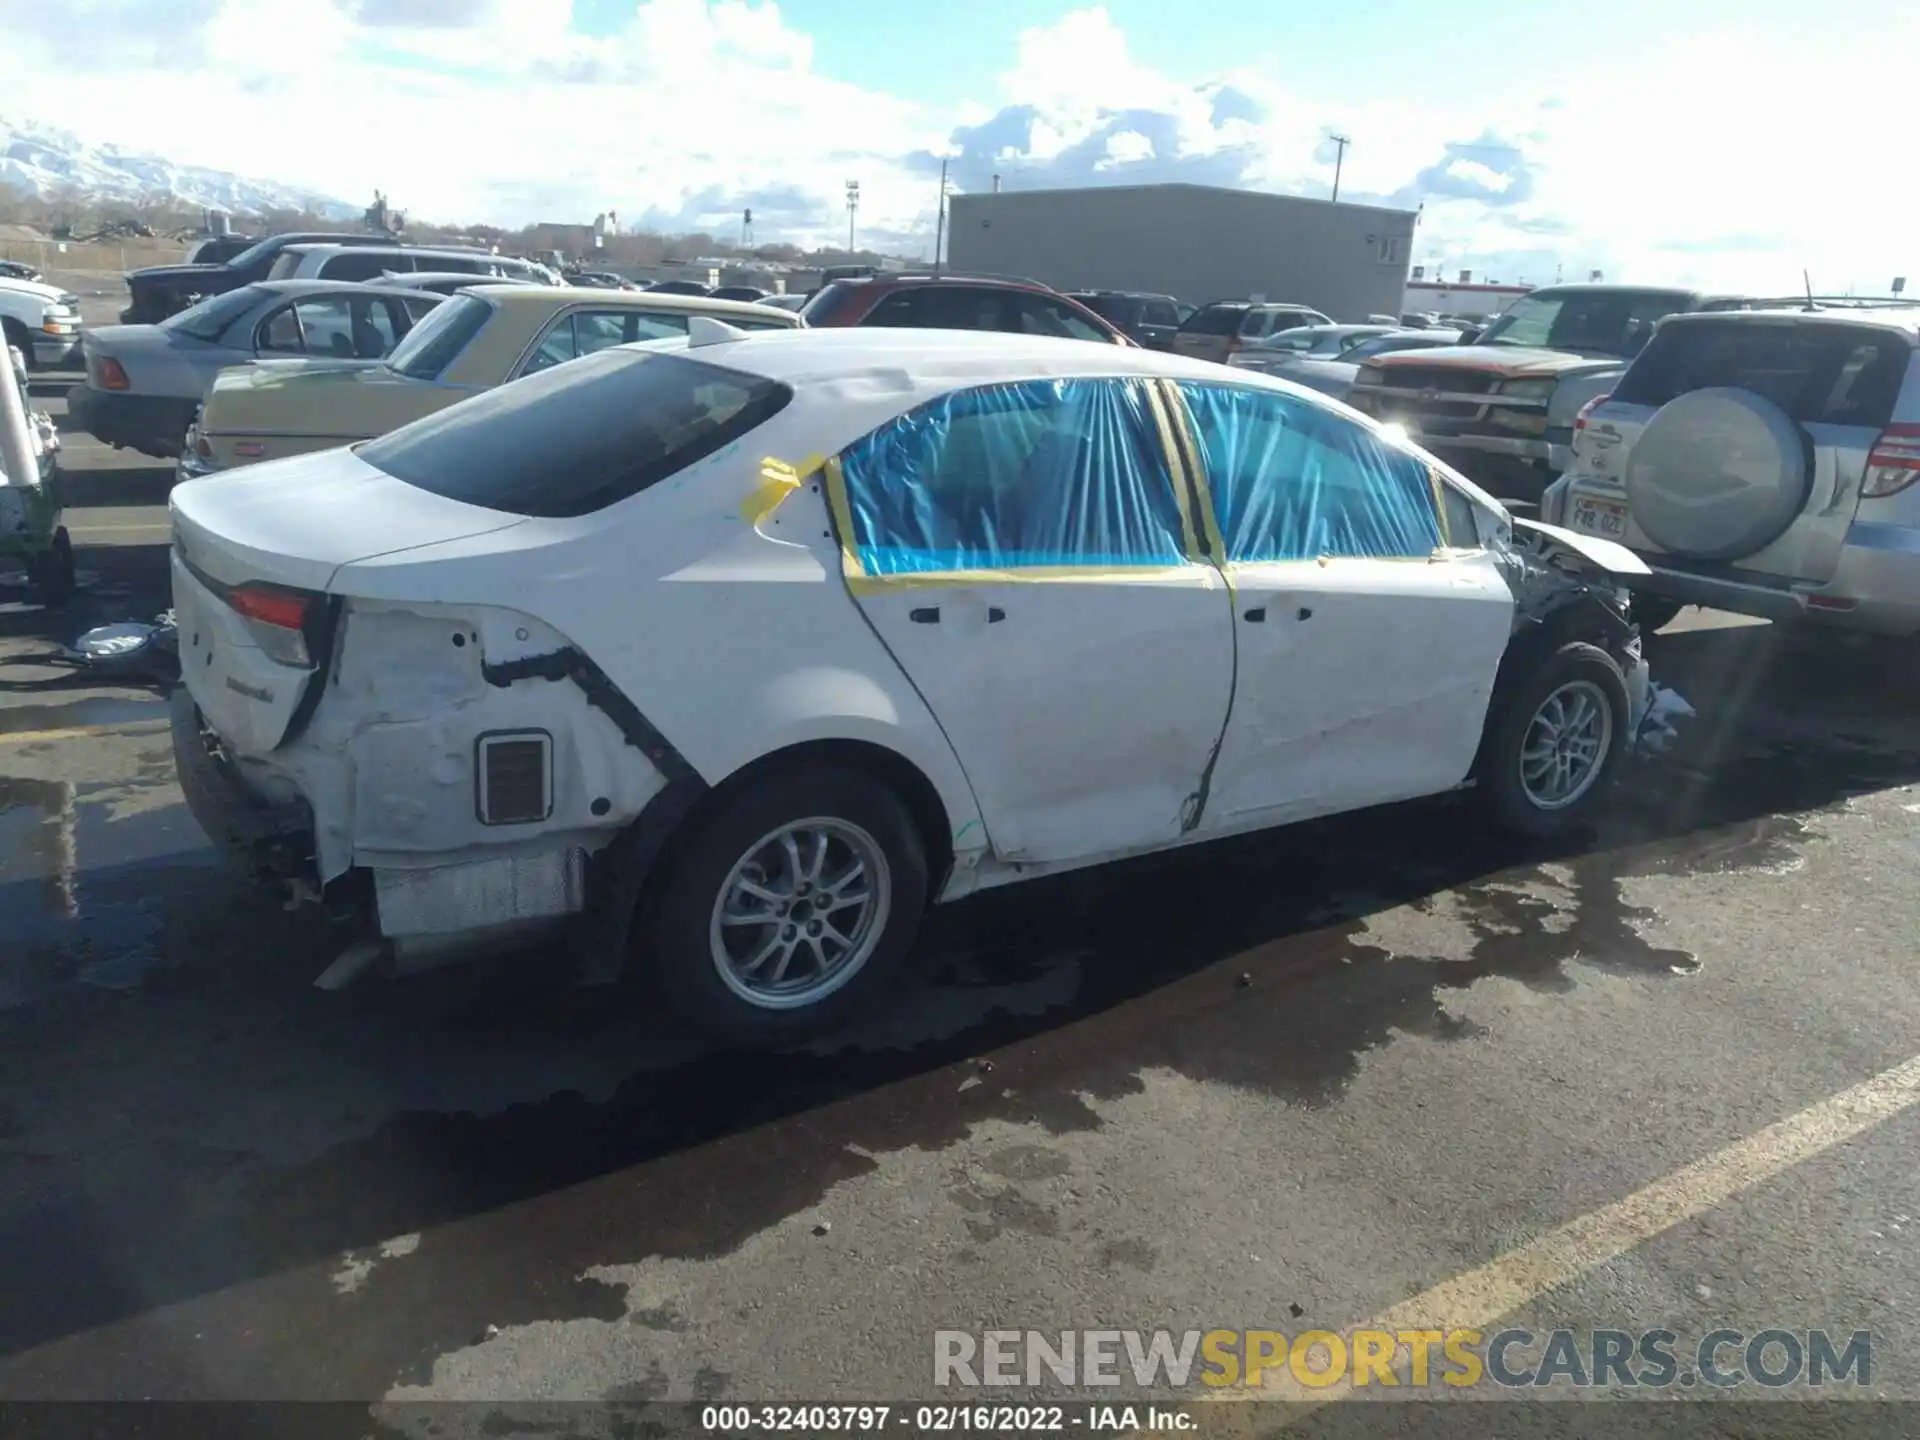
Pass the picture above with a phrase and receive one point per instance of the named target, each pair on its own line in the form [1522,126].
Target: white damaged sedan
[730,658]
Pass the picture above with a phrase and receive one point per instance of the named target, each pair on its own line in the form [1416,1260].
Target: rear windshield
[581,436]
[210,318]
[431,345]
[1818,374]
[1215,320]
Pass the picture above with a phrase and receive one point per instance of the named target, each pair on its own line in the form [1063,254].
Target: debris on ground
[128,646]
[1657,730]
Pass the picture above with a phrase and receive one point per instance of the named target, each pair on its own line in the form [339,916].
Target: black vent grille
[1439,377]
[515,778]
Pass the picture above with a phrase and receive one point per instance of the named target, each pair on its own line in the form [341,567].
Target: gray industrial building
[1194,242]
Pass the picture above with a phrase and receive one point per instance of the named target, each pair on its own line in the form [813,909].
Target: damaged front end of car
[1569,587]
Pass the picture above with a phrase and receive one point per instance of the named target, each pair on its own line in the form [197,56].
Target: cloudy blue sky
[1691,140]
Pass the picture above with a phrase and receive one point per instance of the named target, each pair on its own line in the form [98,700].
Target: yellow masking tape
[1032,575]
[778,480]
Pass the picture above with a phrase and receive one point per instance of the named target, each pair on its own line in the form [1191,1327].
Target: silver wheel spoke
[765,953]
[796,868]
[802,912]
[757,891]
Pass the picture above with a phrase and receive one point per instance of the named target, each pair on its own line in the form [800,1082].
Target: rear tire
[1552,744]
[52,572]
[822,953]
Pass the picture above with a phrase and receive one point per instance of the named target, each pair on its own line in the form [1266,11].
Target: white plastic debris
[1656,730]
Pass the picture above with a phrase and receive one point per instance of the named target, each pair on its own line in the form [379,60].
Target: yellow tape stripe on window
[1189,449]
[1176,462]
[1440,506]
[842,512]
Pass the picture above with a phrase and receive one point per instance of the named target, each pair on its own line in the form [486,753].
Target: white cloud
[1730,158]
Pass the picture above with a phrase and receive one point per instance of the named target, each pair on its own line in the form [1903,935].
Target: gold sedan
[479,338]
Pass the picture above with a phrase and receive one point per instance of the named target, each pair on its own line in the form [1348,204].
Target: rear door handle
[995,614]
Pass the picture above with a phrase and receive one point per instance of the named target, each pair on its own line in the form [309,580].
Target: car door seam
[1184,457]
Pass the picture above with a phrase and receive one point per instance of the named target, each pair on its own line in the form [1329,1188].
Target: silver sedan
[145,382]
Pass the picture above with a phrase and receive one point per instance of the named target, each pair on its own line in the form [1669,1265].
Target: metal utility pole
[996,184]
[853,209]
[940,218]
[1339,159]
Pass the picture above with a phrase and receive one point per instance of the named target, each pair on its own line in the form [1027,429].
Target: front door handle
[1257,615]
[925,615]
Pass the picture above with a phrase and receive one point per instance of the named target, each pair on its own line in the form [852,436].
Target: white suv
[1762,462]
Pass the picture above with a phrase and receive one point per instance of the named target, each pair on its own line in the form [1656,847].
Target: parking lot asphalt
[1387,1065]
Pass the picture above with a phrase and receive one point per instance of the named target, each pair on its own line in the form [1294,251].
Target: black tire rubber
[1499,779]
[52,572]
[680,959]
[1654,612]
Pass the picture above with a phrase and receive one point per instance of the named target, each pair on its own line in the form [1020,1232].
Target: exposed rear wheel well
[894,770]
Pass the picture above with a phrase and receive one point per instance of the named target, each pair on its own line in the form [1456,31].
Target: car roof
[1281,305]
[508,296]
[1905,321]
[333,287]
[933,361]
[314,248]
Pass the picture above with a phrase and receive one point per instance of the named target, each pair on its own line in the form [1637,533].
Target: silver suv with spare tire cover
[1762,462]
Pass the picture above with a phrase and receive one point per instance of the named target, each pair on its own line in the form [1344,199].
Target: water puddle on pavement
[84,896]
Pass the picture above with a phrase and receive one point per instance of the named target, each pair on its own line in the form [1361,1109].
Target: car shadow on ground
[114,582]
[1257,963]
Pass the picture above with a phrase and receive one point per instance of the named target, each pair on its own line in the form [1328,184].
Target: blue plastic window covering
[1009,477]
[1292,481]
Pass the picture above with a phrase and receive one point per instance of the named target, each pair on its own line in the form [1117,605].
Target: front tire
[792,907]
[1553,742]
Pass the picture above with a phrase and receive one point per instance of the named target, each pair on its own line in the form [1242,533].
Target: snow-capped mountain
[43,161]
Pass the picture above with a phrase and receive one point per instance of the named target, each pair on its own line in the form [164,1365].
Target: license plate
[1599,517]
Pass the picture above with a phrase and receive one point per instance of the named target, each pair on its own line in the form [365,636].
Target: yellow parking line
[77,732]
[1479,1297]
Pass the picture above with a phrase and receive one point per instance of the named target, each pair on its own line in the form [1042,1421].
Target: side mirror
[1469,335]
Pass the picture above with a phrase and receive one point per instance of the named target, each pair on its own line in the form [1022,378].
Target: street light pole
[853,208]
[940,218]
[1339,159]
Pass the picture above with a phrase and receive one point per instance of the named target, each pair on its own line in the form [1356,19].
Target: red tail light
[278,621]
[286,609]
[1894,462]
[1586,410]
[112,375]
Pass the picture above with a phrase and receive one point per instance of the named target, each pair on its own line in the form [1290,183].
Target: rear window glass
[431,345]
[210,318]
[581,436]
[1818,374]
[1215,320]
[1120,309]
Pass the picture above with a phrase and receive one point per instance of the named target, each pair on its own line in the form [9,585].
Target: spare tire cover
[1718,474]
